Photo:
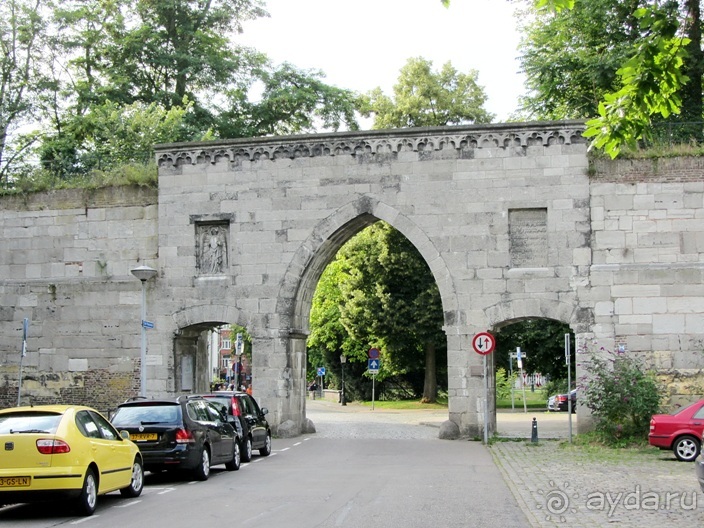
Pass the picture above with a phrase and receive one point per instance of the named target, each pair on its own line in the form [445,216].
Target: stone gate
[512,219]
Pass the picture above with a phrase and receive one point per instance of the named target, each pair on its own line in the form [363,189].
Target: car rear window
[224,401]
[29,422]
[152,414]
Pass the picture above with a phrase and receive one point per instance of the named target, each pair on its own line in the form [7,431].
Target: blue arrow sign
[373,364]
[147,324]
[321,371]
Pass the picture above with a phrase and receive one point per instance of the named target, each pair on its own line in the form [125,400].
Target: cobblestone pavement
[561,485]
[556,484]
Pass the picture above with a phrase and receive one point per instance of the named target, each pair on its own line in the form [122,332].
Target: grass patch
[592,447]
[415,405]
[534,400]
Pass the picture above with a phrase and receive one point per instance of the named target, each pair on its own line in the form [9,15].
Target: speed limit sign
[483,343]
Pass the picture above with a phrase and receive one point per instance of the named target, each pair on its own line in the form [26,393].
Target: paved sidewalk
[560,485]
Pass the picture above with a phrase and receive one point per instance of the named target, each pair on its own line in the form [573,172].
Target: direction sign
[321,371]
[373,365]
[483,343]
[147,324]
[373,353]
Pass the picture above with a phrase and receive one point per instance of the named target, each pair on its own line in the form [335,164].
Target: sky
[363,44]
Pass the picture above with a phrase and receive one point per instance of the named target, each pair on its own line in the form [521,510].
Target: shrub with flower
[621,394]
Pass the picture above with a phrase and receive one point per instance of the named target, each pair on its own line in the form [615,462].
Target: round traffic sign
[483,343]
[373,353]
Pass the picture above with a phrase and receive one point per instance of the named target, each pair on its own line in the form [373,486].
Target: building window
[225,344]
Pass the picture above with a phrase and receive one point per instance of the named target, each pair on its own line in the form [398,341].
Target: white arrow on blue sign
[321,371]
[147,324]
[373,364]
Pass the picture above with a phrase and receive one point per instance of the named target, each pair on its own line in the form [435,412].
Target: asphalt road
[360,468]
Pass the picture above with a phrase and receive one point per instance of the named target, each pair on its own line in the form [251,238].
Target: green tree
[543,340]
[660,77]
[292,101]
[423,97]
[133,58]
[570,58]
[379,292]
[22,77]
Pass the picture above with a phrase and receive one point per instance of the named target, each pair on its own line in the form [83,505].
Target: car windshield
[29,422]
[163,414]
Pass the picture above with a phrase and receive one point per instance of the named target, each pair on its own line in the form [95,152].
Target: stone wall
[511,219]
[65,266]
[647,276]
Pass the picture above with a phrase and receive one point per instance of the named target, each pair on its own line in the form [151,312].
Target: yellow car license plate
[143,437]
[15,482]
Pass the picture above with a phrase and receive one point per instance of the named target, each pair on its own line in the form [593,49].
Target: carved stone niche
[212,245]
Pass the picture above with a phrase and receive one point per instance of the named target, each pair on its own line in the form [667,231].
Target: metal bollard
[534,431]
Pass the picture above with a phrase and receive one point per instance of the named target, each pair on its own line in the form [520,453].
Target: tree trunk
[430,385]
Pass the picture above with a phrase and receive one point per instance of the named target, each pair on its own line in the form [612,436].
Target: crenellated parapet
[375,142]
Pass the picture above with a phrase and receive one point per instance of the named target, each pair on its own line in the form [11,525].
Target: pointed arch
[318,250]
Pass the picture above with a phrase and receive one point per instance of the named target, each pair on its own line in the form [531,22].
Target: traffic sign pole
[484,343]
[486,405]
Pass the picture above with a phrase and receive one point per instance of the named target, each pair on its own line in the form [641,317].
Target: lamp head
[143,273]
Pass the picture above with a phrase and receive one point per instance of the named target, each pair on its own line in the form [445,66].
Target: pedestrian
[249,389]
[313,387]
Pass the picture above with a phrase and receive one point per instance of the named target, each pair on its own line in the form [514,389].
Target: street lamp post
[143,273]
[343,360]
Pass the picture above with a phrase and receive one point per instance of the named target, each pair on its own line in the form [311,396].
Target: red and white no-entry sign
[483,343]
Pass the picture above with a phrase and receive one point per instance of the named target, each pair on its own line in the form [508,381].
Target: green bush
[621,394]
[504,382]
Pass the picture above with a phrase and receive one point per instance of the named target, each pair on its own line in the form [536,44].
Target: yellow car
[52,452]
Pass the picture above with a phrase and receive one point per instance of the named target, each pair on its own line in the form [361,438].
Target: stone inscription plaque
[528,234]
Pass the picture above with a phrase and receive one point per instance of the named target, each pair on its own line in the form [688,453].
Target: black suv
[187,432]
[256,433]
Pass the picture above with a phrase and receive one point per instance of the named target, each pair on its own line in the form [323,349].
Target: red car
[680,431]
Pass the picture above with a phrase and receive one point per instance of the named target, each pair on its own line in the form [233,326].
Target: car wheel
[686,448]
[87,500]
[137,482]
[246,449]
[202,471]
[234,464]
[266,450]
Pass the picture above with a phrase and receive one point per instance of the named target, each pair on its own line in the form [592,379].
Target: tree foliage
[625,64]
[621,395]
[379,292]
[543,340]
[22,41]
[136,56]
[423,97]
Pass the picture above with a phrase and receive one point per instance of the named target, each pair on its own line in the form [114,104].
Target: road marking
[91,518]
[128,504]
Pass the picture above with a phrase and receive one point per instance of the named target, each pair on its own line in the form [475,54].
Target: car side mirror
[265,410]
[125,434]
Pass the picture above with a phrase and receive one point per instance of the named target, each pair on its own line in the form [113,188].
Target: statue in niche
[213,250]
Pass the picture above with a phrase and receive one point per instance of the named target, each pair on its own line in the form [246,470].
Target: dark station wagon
[185,433]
